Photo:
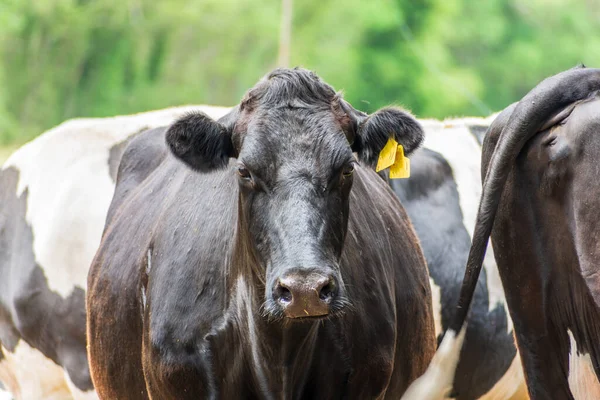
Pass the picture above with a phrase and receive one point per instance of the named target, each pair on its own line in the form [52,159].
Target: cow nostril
[283,294]
[327,292]
[301,294]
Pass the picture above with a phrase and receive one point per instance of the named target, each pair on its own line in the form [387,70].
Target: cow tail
[528,117]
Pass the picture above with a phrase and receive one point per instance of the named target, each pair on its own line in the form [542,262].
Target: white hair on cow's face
[243,301]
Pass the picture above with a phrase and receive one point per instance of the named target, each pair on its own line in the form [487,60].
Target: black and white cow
[54,196]
[441,198]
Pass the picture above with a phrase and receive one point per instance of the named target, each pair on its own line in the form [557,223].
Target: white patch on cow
[583,382]
[436,382]
[29,375]
[69,187]
[458,146]
[436,296]
[244,302]
[454,141]
[512,384]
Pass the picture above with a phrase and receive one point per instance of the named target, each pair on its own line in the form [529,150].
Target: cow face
[293,139]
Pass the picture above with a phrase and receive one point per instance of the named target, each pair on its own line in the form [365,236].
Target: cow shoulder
[178,224]
[139,158]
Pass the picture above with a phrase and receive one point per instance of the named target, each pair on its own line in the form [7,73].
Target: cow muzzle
[303,295]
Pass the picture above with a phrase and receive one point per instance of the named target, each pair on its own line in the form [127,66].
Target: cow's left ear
[201,142]
[374,131]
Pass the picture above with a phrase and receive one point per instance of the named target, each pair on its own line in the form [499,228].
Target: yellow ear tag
[401,167]
[387,156]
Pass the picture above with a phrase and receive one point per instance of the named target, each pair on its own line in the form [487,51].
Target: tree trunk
[285,35]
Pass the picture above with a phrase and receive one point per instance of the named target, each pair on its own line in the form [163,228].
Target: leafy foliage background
[61,59]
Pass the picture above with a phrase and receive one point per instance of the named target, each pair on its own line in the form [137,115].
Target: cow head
[293,138]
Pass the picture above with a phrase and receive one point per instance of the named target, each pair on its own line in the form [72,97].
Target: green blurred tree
[61,59]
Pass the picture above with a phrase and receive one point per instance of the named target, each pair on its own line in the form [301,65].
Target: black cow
[267,264]
[539,203]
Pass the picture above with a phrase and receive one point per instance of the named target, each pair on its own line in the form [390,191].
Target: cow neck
[244,262]
[280,350]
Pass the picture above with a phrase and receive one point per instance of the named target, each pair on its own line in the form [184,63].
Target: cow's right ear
[201,142]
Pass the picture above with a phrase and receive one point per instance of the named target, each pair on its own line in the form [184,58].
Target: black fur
[204,144]
[290,88]
[375,131]
[206,251]
[200,142]
[544,245]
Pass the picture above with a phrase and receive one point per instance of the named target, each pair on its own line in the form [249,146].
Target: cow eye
[243,172]
[348,171]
